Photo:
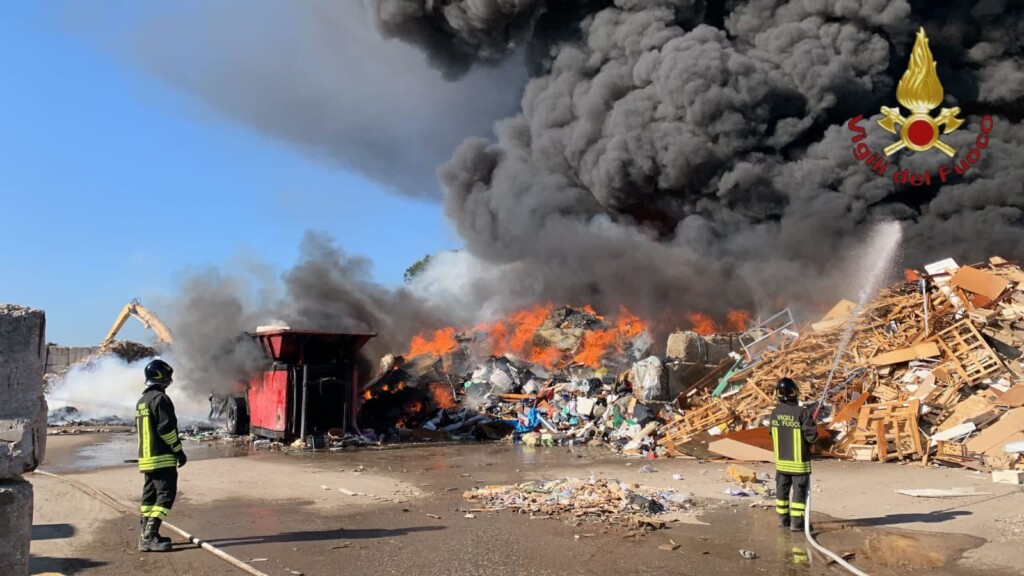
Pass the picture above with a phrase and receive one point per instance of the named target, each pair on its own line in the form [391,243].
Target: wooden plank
[736,450]
[1011,423]
[1013,398]
[851,410]
[925,350]
[979,282]
[964,411]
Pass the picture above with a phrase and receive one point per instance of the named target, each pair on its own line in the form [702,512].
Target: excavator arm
[142,314]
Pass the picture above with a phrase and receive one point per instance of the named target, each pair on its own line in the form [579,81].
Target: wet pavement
[104,450]
[431,535]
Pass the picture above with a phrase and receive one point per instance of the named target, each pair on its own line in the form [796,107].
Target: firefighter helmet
[159,372]
[787,390]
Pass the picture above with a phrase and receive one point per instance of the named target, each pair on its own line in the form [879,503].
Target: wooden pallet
[893,422]
[694,422]
[974,359]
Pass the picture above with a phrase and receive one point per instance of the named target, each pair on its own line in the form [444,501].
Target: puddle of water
[114,449]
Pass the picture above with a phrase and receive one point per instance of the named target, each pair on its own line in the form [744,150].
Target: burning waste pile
[930,370]
[544,375]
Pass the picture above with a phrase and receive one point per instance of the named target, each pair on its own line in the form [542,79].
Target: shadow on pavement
[892,519]
[68,566]
[52,531]
[320,535]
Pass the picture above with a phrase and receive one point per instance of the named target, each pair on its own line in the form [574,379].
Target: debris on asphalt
[591,500]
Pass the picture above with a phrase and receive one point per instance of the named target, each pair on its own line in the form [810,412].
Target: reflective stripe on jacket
[158,430]
[793,432]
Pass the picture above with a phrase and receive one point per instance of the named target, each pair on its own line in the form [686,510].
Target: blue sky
[115,186]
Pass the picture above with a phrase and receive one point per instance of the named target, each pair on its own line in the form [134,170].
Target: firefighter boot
[142,527]
[798,524]
[783,520]
[151,541]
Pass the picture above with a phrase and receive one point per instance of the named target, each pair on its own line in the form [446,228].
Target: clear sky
[114,186]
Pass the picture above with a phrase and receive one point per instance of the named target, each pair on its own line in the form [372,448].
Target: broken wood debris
[930,372]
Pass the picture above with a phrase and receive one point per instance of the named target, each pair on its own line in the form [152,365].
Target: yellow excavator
[144,315]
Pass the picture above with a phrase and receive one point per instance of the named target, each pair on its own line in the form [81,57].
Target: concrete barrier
[22,405]
[15,526]
[22,428]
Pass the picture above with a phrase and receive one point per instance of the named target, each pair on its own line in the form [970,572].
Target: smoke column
[665,154]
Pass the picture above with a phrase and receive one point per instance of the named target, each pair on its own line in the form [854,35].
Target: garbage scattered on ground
[748,554]
[669,547]
[591,500]
[70,416]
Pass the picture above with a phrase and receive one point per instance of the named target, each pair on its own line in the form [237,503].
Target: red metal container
[308,384]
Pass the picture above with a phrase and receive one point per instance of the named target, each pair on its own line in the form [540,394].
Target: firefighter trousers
[800,484]
[158,492]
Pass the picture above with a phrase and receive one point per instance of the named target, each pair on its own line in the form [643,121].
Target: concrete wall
[15,526]
[58,358]
[22,428]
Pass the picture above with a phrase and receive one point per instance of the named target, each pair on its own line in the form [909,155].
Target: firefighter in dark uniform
[793,433]
[160,455]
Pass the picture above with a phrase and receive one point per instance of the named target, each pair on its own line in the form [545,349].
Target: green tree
[416,268]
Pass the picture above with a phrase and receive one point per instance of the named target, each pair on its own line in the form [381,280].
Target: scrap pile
[931,370]
[591,500]
[563,375]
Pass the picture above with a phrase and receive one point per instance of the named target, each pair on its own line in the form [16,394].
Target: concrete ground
[272,509]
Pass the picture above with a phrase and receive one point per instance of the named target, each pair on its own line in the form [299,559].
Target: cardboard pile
[932,371]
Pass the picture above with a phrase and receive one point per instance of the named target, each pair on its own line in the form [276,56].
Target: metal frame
[763,337]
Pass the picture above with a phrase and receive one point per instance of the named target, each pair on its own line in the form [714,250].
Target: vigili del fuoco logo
[920,92]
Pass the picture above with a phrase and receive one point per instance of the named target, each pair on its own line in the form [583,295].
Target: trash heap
[580,378]
[931,371]
[596,500]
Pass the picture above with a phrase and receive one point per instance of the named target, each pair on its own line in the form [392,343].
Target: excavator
[144,315]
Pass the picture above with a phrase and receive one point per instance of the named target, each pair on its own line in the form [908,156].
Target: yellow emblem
[920,91]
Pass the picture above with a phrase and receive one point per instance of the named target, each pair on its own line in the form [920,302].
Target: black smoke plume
[667,154]
[326,290]
[688,153]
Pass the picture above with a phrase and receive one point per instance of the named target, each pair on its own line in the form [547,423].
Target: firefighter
[160,455]
[793,433]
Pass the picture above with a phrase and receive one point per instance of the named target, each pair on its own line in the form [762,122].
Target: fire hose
[810,539]
[120,507]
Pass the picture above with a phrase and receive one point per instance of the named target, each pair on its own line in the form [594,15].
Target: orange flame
[443,396]
[911,275]
[596,344]
[737,320]
[514,335]
[442,342]
[702,324]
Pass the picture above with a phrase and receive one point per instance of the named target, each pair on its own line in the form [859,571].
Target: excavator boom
[142,314]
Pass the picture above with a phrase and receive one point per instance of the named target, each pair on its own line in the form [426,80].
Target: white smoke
[110,386]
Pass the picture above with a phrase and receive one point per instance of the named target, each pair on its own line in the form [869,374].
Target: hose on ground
[120,507]
[810,539]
